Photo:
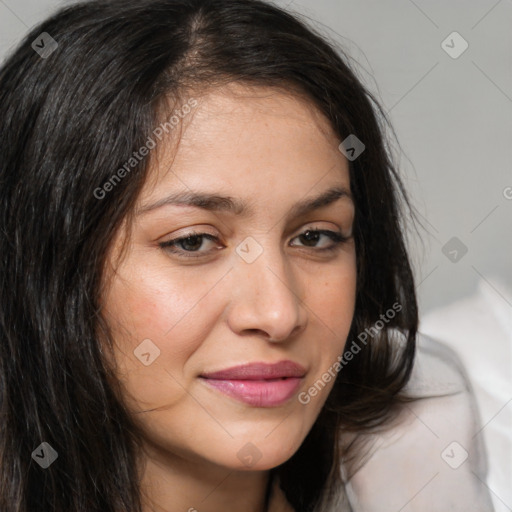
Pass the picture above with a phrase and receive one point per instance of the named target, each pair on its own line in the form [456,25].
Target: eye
[190,243]
[311,237]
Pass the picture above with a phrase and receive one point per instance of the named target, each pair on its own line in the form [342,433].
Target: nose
[266,298]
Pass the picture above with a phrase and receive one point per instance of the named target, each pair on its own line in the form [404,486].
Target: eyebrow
[220,203]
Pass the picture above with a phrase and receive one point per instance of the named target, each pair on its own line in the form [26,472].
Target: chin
[261,455]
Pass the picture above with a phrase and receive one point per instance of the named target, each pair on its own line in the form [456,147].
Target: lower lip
[259,393]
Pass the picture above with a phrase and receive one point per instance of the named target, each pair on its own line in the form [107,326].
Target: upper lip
[258,371]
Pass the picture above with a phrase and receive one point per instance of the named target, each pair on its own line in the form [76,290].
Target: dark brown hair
[67,122]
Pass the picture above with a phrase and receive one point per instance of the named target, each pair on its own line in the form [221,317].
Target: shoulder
[433,457]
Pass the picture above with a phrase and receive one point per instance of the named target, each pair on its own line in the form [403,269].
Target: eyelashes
[189,245]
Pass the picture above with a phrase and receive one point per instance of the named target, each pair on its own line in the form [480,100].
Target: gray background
[453,119]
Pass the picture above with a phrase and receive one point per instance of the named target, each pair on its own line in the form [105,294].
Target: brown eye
[190,243]
[311,237]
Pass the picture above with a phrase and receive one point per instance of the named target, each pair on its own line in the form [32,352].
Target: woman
[207,302]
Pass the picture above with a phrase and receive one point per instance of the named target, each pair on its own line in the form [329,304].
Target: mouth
[258,384]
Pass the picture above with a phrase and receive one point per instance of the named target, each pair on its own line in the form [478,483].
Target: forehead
[239,110]
[238,136]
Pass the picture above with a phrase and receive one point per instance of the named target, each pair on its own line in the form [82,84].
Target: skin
[270,150]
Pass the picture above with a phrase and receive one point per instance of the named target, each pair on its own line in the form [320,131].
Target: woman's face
[251,286]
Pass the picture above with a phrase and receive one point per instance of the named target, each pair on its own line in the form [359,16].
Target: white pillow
[431,460]
[479,329]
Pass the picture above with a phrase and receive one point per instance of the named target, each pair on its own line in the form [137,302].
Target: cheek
[331,299]
[154,315]
[331,305]
[154,302]
[335,299]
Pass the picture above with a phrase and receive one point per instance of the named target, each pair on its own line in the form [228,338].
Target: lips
[259,371]
[258,384]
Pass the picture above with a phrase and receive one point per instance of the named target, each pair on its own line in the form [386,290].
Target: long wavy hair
[70,118]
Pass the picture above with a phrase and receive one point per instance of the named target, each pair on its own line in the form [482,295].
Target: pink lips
[258,384]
